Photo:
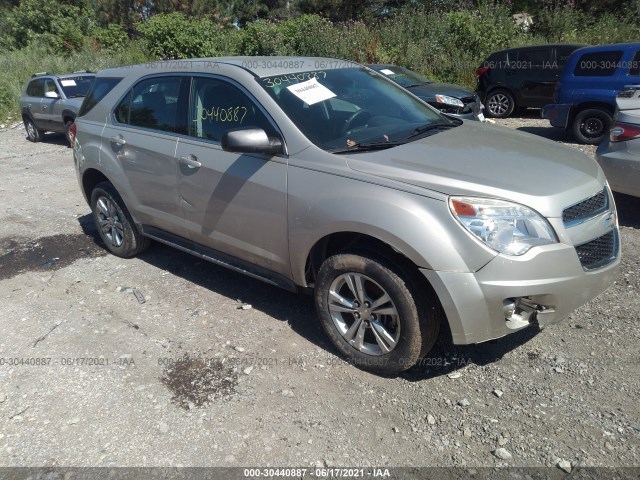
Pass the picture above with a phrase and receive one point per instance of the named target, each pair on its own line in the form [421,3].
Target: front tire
[67,133]
[590,126]
[33,133]
[114,223]
[372,312]
[499,104]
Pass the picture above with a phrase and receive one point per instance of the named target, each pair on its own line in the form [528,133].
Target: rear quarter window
[101,87]
[598,64]
[36,88]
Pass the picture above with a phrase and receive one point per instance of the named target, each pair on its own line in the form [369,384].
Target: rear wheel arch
[602,114]
[586,105]
[90,179]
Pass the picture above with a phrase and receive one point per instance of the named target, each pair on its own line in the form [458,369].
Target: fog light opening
[518,313]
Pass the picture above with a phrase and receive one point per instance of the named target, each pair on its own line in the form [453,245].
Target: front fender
[419,227]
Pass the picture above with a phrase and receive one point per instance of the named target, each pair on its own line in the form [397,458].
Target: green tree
[62,26]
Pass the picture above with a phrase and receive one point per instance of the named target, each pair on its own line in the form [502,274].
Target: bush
[61,26]
[112,38]
[174,35]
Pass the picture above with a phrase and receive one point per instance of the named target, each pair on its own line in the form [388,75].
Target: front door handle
[118,140]
[190,161]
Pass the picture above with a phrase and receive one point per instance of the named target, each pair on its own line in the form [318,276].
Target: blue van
[585,95]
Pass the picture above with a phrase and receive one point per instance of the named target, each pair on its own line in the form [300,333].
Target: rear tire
[499,104]
[591,125]
[373,312]
[33,133]
[114,223]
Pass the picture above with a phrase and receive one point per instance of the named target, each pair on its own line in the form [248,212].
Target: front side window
[349,109]
[153,103]
[50,87]
[218,106]
[598,64]
[36,88]
[534,57]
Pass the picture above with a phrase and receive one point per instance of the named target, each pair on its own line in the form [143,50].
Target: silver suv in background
[320,175]
[50,103]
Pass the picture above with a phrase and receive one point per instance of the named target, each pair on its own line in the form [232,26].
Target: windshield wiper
[430,126]
[365,147]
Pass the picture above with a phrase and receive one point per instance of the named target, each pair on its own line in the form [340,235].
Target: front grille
[586,209]
[599,252]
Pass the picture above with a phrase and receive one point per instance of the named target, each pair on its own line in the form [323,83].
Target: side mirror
[250,140]
[52,95]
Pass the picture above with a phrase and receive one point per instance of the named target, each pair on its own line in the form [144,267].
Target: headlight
[506,227]
[449,100]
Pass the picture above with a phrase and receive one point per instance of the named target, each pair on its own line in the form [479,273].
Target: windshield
[402,76]
[76,86]
[347,107]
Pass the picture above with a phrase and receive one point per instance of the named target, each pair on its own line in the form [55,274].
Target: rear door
[234,203]
[596,77]
[141,139]
[630,74]
[537,71]
[31,104]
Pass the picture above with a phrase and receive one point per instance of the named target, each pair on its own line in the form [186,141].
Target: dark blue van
[585,95]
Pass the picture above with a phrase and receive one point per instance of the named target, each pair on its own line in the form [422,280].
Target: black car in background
[450,99]
[522,77]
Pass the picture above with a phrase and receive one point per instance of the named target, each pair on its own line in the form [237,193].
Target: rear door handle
[118,140]
[190,161]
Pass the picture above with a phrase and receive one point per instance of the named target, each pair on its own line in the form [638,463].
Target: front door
[233,203]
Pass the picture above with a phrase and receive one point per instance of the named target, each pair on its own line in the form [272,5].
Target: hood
[490,161]
[428,91]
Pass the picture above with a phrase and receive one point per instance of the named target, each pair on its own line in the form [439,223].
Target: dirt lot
[89,376]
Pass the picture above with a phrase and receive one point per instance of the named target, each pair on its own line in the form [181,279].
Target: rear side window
[598,64]
[36,88]
[76,86]
[634,68]
[153,103]
[534,58]
[101,87]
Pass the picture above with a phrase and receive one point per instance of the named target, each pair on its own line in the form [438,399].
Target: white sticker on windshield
[68,83]
[311,91]
[386,71]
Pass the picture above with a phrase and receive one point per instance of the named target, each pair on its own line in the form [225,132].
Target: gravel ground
[190,378]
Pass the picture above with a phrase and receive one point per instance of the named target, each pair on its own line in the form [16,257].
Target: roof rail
[39,74]
[83,71]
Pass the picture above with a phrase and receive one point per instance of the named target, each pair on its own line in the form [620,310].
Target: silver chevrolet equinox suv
[320,175]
